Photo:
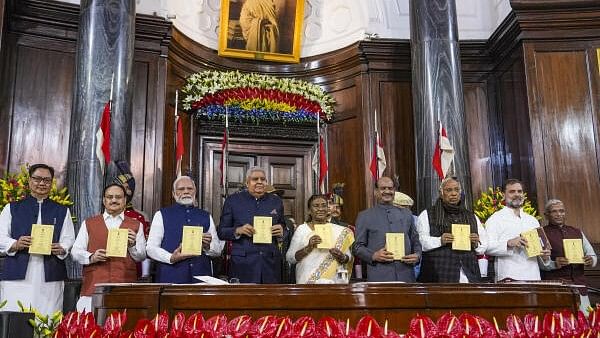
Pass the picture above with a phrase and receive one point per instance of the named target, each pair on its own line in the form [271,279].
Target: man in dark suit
[250,262]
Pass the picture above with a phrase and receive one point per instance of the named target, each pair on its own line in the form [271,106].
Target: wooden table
[395,302]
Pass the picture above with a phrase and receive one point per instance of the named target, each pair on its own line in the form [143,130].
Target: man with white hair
[251,262]
[559,267]
[166,231]
[440,263]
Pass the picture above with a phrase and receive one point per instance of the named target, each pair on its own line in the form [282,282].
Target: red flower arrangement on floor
[553,324]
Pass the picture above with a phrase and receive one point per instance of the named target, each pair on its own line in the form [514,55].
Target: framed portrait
[261,29]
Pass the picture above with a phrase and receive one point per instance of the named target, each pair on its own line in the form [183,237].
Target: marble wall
[331,24]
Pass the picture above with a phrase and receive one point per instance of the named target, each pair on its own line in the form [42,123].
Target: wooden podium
[395,302]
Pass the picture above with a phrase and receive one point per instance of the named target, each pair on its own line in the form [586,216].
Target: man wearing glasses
[90,246]
[36,280]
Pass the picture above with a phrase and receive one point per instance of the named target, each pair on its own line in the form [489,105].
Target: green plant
[43,325]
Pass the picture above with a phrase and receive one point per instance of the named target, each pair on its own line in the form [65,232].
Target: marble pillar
[104,54]
[437,94]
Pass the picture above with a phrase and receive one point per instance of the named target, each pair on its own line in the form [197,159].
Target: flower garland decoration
[493,200]
[255,98]
[14,187]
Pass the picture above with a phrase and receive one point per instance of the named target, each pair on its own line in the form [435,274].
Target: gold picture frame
[268,30]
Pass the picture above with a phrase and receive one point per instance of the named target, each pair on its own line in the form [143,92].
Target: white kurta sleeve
[155,237]
[296,244]
[588,250]
[67,235]
[79,250]
[5,240]
[428,242]
[138,251]
[216,245]
[483,238]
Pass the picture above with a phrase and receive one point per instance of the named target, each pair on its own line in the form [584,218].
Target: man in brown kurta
[560,268]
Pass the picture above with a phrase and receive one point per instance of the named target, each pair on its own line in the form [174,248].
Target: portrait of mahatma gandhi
[261,26]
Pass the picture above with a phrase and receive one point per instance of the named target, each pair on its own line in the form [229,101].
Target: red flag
[378,162]
[443,155]
[223,156]
[103,137]
[179,146]
[319,164]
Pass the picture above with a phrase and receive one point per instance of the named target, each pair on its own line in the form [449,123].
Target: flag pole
[112,84]
[318,151]
[375,145]
[191,140]
[325,145]
[177,162]
[226,152]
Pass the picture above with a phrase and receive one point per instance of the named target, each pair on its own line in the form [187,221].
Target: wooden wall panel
[563,121]
[36,92]
[516,132]
[477,126]
[346,151]
[7,74]
[41,108]
[147,131]
[398,133]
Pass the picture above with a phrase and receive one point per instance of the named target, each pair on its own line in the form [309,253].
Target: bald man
[371,228]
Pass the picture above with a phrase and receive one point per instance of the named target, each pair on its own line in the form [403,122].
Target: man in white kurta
[34,291]
[505,242]
[114,201]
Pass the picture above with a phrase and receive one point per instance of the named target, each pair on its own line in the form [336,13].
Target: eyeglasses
[38,179]
[115,197]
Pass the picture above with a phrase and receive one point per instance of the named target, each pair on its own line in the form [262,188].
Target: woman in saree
[312,263]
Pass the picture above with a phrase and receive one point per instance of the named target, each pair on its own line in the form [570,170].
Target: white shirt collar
[106,216]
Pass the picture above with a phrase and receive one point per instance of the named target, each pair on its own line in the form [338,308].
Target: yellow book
[573,250]
[534,243]
[324,231]
[41,239]
[262,227]
[116,244]
[191,241]
[462,237]
[394,243]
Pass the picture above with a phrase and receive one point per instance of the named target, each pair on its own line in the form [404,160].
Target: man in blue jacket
[35,280]
[253,263]
[164,240]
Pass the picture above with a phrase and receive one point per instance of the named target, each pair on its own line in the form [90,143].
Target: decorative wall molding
[330,25]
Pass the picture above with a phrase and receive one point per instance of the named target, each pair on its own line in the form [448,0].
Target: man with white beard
[504,230]
[166,230]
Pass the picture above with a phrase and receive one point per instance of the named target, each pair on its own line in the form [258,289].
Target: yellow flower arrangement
[493,200]
[14,187]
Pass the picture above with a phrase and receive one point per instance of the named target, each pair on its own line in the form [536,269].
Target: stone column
[105,48]
[437,94]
